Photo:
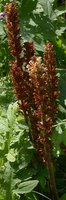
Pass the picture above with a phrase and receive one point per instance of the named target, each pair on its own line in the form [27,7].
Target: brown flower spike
[35,83]
[19,75]
[35,87]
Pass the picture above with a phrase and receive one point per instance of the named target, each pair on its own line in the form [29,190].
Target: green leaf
[59,129]
[65,102]
[15,182]
[23,127]
[42,174]
[63,197]
[38,47]
[57,13]
[62,109]
[11,157]
[15,196]
[1,28]
[2,197]
[7,172]
[15,106]
[26,187]
[64,136]
[11,114]
[61,31]
[28,6]
[47,7]
[3,125]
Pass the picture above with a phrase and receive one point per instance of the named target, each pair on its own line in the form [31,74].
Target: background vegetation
[20,172]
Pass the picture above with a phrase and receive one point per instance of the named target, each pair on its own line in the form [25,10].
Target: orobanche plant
[36,89]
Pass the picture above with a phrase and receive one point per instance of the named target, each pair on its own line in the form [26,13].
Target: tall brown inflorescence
[35,83]
[18,71]
[45,83]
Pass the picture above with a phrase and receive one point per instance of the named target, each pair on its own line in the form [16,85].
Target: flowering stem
[49,165]
[51,172]
[36,87]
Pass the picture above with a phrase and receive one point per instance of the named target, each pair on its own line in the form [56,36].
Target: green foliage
[16,152]
[59,137]
[63,197]
[59,133]
[6,92]
[26,187]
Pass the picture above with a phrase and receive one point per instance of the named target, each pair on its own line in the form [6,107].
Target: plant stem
[51,172]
